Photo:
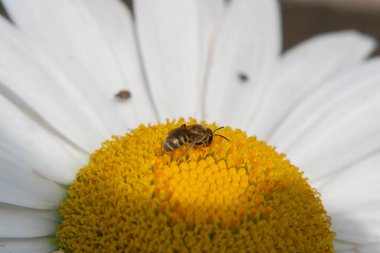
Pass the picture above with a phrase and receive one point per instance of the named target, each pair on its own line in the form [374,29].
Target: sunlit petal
[19,222]
[27,245]
[28,76]
[245,49]
[302,70]
[38,147]
[69,33]
[169,36]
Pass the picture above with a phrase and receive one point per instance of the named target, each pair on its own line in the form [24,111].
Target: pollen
[232,196]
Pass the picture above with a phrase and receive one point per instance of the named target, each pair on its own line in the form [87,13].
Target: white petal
[169,35]
[343,139]
[344,247]
[47,92]
[355,187]
[357,227]
[22,222]
[211,15]
[303,69]
[69,33]
[21,185]
[352,199]
[349,247]
[336,126]
[248,43]
[369,248]
[44,152]
[116,23]
[28,245]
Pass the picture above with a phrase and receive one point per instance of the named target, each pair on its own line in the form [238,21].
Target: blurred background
[305,18]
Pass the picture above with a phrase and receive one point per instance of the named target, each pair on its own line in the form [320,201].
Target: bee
[193,135]
[123,94]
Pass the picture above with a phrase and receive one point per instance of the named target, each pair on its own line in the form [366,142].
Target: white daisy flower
[63,62]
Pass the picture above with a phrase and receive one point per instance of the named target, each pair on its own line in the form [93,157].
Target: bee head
[210,136]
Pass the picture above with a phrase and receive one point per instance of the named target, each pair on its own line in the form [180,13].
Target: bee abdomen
[172,143]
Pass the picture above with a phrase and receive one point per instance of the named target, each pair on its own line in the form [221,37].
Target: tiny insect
[243,77]
[123,94]
[193,135]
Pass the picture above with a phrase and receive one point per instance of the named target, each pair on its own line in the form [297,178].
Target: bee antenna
[222,137]
[218,129]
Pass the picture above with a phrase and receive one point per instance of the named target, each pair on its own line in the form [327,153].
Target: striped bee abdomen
[175,142]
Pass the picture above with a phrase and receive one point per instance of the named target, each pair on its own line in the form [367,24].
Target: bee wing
[186,130]
[177,132]
[196,131]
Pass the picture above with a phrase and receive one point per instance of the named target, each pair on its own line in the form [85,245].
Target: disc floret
[236,196]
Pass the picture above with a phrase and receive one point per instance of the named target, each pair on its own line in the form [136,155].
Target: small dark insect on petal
[243,77]
[123,95]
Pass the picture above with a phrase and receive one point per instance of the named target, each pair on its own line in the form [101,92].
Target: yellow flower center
[236,196]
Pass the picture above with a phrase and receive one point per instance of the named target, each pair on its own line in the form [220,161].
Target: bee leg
[189,147]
